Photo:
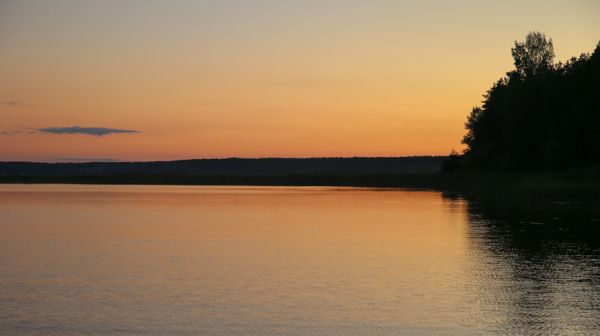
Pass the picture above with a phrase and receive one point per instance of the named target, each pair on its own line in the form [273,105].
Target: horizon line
[109,161]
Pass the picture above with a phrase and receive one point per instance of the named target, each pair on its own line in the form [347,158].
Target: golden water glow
[260,78]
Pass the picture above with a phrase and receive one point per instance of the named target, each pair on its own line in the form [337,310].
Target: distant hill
[231,167]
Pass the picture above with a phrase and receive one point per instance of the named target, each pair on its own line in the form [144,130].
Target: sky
[139,80]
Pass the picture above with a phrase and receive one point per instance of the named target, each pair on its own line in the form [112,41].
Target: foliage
[533,56]
[540,116]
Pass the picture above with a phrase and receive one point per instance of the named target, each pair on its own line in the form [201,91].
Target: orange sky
[260,78]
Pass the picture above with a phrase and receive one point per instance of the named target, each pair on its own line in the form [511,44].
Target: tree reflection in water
[538,259]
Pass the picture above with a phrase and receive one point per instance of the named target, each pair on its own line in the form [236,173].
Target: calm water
[162,260]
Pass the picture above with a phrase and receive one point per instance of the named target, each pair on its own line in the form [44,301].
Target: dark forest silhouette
[542,115]
[380,171]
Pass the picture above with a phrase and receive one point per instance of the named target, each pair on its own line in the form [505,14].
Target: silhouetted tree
[534,55]
[542,115]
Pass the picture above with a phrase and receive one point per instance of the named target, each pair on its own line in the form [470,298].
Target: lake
[194,260]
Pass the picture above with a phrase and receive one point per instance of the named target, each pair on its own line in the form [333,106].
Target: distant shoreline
[421,181]
[577,182]
[355,171]
[401,172]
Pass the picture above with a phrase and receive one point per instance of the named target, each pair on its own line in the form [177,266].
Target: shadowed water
[164,260]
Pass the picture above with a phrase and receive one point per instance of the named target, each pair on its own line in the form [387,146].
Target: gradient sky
[259,78]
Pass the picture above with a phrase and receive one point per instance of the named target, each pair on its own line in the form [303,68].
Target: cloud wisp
[95,131]
[15,103]
[16,132]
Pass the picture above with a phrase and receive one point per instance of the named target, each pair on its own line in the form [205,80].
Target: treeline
[232,167]
[541,116]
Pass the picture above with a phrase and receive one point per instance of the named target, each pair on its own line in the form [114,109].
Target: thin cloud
[15,103]
[10,132]
[95,131]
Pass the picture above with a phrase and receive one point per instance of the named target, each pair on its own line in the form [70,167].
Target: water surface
[167,260]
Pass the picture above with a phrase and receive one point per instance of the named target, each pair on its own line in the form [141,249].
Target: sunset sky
[161,80]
